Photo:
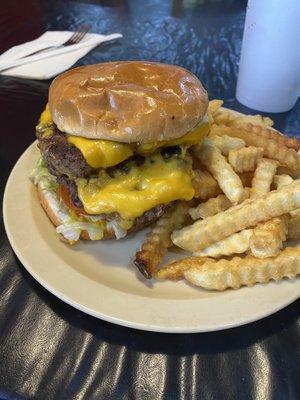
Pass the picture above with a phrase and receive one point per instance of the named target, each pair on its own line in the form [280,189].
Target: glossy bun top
[132,101]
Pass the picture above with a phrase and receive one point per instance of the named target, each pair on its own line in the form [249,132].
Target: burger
[114,141]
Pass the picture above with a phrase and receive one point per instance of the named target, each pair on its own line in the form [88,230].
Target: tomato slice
[64,194]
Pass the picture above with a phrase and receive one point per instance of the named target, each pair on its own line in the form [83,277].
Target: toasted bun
[133,101]
[54,217]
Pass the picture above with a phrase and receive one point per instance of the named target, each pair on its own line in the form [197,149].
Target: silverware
[74,39]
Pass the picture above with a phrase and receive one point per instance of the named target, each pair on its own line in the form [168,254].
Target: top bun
[133,101]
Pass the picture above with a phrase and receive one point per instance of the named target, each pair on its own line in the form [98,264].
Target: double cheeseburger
[114,142]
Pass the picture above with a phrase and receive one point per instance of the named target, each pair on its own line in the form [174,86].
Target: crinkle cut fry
[245,159]
[158,240]
[252,119]
[226,143]
[282,180]
[205,185]
[267,238]
[281,170]
[234,244]
[272,134]
[272,148]
[221,170]
[294,227]
[263,177]
[175,270]
[237,272]
[228,117]
[246,178]
[210,207]
[223,116]
[214,105]
[203,233]
[213,206]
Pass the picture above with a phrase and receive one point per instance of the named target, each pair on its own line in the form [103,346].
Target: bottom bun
[49,202]
[53,214]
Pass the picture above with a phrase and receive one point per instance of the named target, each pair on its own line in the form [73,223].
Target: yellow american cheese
[106,153]
[101,153]
[155,182]
[45,117]
[45,125]
[195,136]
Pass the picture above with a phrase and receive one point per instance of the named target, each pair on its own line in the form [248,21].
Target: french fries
[271,134]
[210,207]
[221,170]
[233,244]
[267,238]
[158,241]
[287,171]
[205,185]
[282,180]
[253,119]
[294,227]
[238,164]
[223,274]
[273,148]
[262,126]
[245,159]
[203,233]
[263,177]
[175,270]
[226,143]
[223,116]
[246,178]
[214,106]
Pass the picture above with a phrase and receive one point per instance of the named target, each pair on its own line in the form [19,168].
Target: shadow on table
[174,344]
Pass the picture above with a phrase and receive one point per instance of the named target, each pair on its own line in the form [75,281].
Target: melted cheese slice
[155,182]
[101,153]
[46,117]
[195,136]
[106,153]
[45,125]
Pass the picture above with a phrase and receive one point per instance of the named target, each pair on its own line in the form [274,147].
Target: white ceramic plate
[98,279]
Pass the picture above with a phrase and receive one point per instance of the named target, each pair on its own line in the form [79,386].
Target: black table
[48,350]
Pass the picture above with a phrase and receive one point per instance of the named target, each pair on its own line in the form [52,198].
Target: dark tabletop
[48,350]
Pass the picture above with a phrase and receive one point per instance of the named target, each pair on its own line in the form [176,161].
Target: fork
[77,36]
[74,39]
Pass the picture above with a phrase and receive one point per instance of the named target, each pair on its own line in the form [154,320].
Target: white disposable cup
[269,71]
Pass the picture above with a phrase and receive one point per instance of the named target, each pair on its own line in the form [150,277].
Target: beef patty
[62,157]
[148,217]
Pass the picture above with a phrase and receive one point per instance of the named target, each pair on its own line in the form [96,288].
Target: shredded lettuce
[73,224]
[41,175]
[119,232]
[95,218]
[71,230]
